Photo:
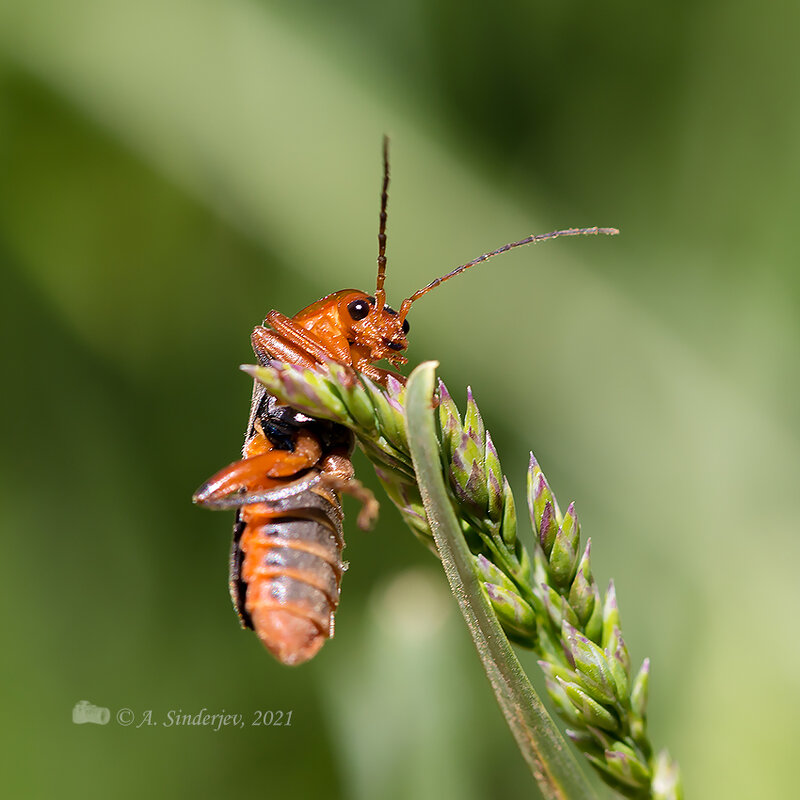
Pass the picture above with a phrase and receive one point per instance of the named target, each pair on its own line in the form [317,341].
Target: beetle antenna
[380,294]
[537,237]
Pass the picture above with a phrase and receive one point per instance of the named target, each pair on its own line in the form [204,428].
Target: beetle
[286,558]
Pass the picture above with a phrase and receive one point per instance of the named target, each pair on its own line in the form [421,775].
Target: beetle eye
[358,309]
[406,326]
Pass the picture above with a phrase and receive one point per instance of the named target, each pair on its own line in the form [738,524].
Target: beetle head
[373,328]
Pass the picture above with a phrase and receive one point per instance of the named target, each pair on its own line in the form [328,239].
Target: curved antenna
[537,237]
[380,294]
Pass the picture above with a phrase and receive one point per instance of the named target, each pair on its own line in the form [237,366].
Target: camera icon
[84,711]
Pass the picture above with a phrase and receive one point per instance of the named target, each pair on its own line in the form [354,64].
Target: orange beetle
[286,560]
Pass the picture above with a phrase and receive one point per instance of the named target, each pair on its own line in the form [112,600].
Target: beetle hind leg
[338,474]
[369,503]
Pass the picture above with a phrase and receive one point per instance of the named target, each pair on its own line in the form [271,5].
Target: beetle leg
[369,505]
[380,376]
[248,475]
[258,471]
[271,491]
[330,349]
[338,474]
[268,345]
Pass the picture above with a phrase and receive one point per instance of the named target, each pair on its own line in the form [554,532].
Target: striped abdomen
[286,561]
[286,569]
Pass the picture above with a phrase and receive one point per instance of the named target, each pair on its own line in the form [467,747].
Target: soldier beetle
[286,565]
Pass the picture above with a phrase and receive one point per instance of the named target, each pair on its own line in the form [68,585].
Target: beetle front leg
[332,348]
[268,345]
[378,375]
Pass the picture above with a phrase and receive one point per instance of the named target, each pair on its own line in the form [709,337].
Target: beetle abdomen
[291,568]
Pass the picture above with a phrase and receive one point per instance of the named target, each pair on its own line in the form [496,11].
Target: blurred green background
[171,170]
